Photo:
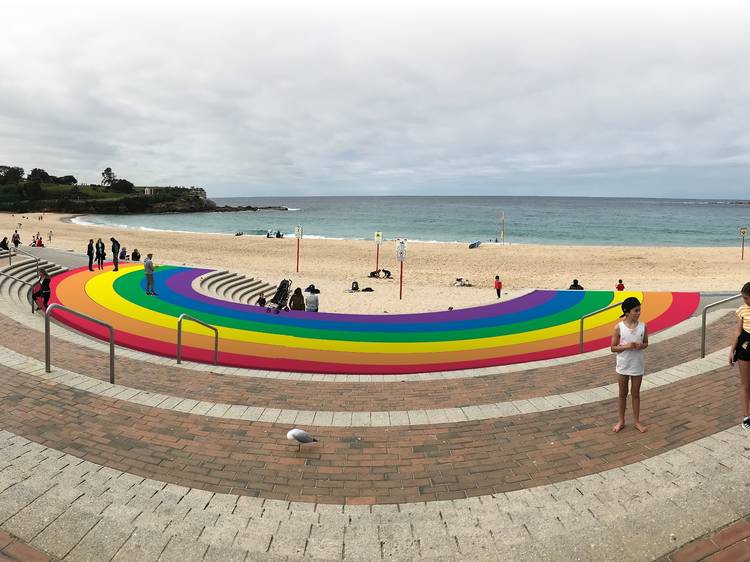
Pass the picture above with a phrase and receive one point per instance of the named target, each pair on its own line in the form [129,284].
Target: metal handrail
[179,336]
[48,315]
[580,339]
[703,320]
[32,256]
[9,276]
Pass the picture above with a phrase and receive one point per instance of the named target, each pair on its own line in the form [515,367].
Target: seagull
[300,436]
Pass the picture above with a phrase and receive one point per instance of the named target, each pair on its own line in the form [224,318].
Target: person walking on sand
[629,341]
[115,253]
[740,353]
[498,286]
[620,286]
[148,269]
[90,254]
[16,238]
[100,254]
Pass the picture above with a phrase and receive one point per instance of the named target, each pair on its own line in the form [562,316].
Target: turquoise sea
[528,220]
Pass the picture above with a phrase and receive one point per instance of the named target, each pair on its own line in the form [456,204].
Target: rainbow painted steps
[539,325]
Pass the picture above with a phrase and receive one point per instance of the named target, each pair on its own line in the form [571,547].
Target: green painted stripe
[128,287]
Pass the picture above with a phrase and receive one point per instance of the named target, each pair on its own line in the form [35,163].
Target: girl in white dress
[629,340]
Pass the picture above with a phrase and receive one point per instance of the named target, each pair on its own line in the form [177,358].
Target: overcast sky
[356,98]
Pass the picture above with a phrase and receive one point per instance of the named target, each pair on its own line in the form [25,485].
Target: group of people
[576,286]
[378,273]
[97,252]
[297,301]
[15,239]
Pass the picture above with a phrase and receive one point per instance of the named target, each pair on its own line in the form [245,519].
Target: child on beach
[498,286]
[620,286]
[740,353]
[629,340]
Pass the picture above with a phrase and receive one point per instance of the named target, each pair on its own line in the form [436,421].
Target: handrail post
[47,346]
[47,366]
[703,320]
[179,340]
[179,336]
[580,329]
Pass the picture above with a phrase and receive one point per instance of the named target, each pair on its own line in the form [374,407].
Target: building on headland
[197,191]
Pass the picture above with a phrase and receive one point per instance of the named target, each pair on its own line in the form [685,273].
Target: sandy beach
[429,271]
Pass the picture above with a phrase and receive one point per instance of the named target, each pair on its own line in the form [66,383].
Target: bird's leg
[299,447]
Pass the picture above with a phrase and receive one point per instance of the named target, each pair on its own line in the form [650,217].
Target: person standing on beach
[100,254]
[148,269]
[16,238]
[740,353]
[498,286]
[90,254]
[620,286]
[115,253]
[629,341]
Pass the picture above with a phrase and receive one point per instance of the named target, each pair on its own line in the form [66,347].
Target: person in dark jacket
[90,254]
[115,253]
[44,290]
[100,254]
[297,302]
[4,245]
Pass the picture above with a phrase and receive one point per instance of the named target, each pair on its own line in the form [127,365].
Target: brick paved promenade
[197,466]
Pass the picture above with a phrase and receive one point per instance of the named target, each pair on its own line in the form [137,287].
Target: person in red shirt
[498,285]
[620,286]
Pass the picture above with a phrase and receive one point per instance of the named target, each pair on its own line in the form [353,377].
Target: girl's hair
[745,289]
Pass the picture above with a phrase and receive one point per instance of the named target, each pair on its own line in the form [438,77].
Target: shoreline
[70,219]
[429,271]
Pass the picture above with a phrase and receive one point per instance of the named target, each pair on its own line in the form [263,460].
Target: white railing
[57,306]
[179,336]
[580,334]
[703,320]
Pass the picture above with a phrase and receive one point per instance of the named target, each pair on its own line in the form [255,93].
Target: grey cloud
[320,98]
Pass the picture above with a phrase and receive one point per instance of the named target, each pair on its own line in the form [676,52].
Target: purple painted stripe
[181,283]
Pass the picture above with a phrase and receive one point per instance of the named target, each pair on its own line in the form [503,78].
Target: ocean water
[528,220]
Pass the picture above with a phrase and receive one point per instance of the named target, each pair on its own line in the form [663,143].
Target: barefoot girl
[739,353]
[629,340]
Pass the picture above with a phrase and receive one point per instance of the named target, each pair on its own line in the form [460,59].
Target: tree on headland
[108,177]
[37,174]
[122,186]
[10,175]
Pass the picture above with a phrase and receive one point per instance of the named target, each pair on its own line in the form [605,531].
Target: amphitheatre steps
[233,287]
[26,270]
